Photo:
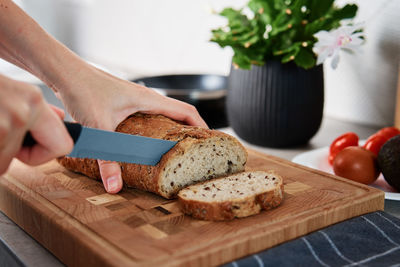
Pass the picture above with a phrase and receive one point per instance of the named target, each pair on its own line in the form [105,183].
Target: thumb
[110,173]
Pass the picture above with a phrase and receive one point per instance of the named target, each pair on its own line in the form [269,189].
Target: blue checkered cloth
[369,240]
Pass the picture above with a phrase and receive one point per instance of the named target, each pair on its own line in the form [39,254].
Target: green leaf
[315,26]
[331,20]
[232,14]
[320,8]
[296,6]
[291,55]
[250,41]
[293,50]
[222,38]
[347,12]
[287,58]
[305,58]
[278,4]
[283,22]
[264,8]
[241,61]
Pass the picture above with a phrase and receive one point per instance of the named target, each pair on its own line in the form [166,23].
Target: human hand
[102,101]
[93,98]
[22,109]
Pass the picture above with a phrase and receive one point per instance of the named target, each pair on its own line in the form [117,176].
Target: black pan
[206,92]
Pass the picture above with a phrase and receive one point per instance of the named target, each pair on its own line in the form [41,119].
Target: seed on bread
[225,198]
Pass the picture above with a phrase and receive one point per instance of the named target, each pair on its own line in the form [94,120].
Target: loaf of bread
[199,155]
[235,196]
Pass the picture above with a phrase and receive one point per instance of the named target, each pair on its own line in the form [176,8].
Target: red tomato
[388,132]
[374,143]
[356,163]
[343,141]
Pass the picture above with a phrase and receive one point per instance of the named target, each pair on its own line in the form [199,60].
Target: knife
[106,145]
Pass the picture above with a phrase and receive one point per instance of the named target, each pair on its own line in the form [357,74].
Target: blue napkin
[369,240]
[8,257]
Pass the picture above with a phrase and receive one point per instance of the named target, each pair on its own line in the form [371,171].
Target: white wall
[363,87]
[140,37]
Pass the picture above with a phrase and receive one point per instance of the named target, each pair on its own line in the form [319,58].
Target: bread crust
[156,126]
[236,208]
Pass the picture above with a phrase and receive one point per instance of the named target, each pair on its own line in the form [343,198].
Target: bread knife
[113,146]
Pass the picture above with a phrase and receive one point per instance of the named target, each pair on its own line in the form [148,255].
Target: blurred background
[133,39]
[139,38]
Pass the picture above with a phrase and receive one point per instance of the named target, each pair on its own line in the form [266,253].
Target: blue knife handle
[74,129]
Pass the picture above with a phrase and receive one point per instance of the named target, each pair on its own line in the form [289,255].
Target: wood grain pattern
[78,222]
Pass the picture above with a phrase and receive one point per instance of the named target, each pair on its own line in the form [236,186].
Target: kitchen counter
[28,251]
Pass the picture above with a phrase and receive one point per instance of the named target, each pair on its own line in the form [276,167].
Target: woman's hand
[93,98]
[22,109]
[102,101]
[98,99]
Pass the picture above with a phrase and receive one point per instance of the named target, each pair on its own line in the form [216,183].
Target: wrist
[63,69]
[24,43]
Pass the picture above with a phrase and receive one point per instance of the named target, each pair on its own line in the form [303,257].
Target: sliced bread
[199,155]
[238,195]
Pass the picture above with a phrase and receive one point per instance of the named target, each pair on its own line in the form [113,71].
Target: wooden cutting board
[77,221]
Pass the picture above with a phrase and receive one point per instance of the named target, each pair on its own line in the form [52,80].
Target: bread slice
[238,195]
[199,155]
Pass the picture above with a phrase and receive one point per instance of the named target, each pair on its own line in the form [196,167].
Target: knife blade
[114,146]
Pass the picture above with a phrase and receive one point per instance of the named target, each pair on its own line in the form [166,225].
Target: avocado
[389,161]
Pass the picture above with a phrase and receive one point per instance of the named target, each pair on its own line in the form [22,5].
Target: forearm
[24,43]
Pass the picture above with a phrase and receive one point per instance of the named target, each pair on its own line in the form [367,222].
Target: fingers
[191,116]
[60,112]
[23,109]
[7,148]
[111,176]
[180,111]
[195,119]
[51,136]
[146,100]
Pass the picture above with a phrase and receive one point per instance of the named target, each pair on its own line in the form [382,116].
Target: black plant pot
[276,105]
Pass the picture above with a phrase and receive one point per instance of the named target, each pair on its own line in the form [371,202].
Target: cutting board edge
[374,203]
[28,212]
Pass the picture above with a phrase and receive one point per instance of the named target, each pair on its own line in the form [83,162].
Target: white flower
[248,13]
[268,29]
[330,43]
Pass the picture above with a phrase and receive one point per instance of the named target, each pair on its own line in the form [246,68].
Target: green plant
[279,29]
